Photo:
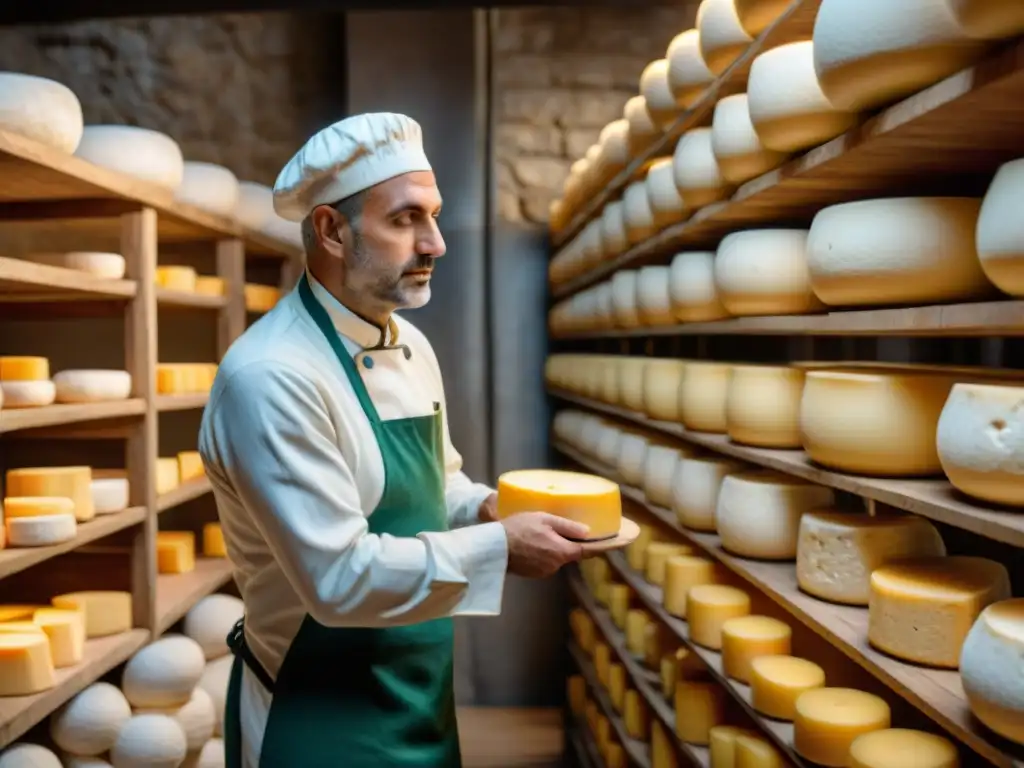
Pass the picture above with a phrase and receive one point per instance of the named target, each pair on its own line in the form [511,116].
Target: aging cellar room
[736,284]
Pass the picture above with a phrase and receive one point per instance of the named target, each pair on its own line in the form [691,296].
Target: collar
[348,323]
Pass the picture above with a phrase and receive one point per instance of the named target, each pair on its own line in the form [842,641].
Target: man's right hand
[538,543]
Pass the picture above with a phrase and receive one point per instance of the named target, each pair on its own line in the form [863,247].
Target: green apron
[365,697]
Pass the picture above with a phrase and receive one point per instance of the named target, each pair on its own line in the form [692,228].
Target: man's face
[391,254]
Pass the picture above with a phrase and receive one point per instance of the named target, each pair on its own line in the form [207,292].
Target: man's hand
[488,512]
[538,543]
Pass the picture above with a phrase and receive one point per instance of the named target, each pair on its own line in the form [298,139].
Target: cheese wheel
[900,748]
[175,277]
[88,725]
[762,406]
[632,378]
[663,754]
[776,682]
[209,186]
[583,498]
[708,607]
[25,755]
[167,475]
[637,213]
[757,15]
[692,289]
[27,394]
[163,673]
[679,664]
[660,464]
[25,664]
[697,175]
[754,752]
[190,465]
[196,717]
[40,531]
[610,375]
[254,205]
[24,369]
[700,706]
[999,236]
[576,687]
[788,109]
[65,630]
[993,646]
[739,151]
[695,490]
[140,152]
[653,302]
[632,460]
[613,141]
[624,298]
[70,482]
[107,266]
[617,686]
[207,285]
[620,598]
[758,513]
[688,75]
[210,621]
[210,756]
[722,745]
[921,610]
[661,102]
[658,555]
[608,446]
[880,423]
[92,386]
[911,250]
[37,506]
[149,741]
[765,272]
[829,719]
[602,661]
[40,109]
[702,396]
[749,637]
[666,204]
[637,716]
[642,130]
[109,494]
[661,377]
[722,38]
[869,53]
[837,551]
[637,621]
[988,19]
[614,240]
[683,572]
[107,612]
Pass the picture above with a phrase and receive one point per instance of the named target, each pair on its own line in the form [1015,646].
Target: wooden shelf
[993,318]
[165,297]
[181,402]
[935,498]
[583,743]
[177,593]
[948,138]
[797,23]
[20,713]
[12,419]
[187,491]
[22,282]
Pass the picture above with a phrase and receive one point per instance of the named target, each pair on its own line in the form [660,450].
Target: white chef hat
[352,155]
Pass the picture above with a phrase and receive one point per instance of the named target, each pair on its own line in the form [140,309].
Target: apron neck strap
[348,364]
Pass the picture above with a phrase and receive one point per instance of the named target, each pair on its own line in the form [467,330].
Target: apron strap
[238,646]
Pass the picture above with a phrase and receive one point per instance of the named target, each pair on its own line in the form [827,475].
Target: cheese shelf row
[881,589]
[52,416]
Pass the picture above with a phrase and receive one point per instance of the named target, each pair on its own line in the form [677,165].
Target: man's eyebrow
[411,206]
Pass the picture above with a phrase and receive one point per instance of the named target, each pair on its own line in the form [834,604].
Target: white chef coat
[296,472]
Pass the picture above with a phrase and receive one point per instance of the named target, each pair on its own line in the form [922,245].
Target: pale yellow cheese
[636,553]
[588,499]
[829,719]
[207,285]
[617,684]
[752,751]
[176,278]
[175,551]
[902,748]
[722,745]
[658,554]
[602,661]
[24,368]
[74,483]
[776,682]
[577,694]
[680,664]
[107,612]
[213,541]
[708,607]
[620,598]
[663,754]
[763,405]
[66,632]
[582,628]
[702,396]
[190,466]
[637,715]
[921,610]
[37,506]
[661,377]
[749,637]
[167,477]
[994,645]
[683,573]
[260,298]
[637,620]
[17,612]
[700,706]
[615,756]
[25,664]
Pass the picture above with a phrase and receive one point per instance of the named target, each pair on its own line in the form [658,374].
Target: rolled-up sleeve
[276,445]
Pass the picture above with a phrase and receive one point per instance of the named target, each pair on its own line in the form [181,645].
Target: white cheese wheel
[289,232]
[163,673]
[762,405]
[632,375]
[88,725]
[757,15]
[149,741]
[695,489]
[28,394]
[208,186]
[614,240]
[868,53]
[837,551]
[993,647]
[663,196]
[40,109]
[590,435]
[25,755]
[632,459]
[255,204]
[688,75]
[642,130]
[722,38]
[41,530]
[910,250]
[988,19]
[197,718]
[608,446]
[661,378]
[758,513]
[614,143]
[215,682]
[660,465]
[1000,232]
[108,266]
[980,442]
[695,169]
[92,386]
[692,289]
[765,272]
[109,494]
[653,302]
[140,152]
[210,756]
[77,761]
[210,620]
[610,382]
[624,298]
[661,103]
[636,213]
[702,396]
[739,151]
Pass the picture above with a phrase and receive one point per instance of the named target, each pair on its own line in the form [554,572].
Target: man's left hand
[488,512]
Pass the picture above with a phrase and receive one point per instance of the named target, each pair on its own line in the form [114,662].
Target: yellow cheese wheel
[829,719]
[190,466]
[702,396]
[776,682]
[25,664]
[65,630]
[583,498]
[749,637]
[74,483]
[700,706]
[637,715]
[207,285]
[722,745]
[637,621]
[176,278]
[754,752]
[763,405]
[661,377]
[602,661]
[680,664]
[658,554]
[577,694]
[617,679]
[708,607]
[619,599]
[902,748]
[167,475]
[663,754]
[107,612]
[24,369]
[683,573]
[37,506]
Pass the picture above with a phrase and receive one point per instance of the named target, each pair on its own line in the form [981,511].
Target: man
[354,535]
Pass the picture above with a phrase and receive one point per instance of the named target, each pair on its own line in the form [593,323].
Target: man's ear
[329,226]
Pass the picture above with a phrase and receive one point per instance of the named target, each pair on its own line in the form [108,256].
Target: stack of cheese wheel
[41,110]
[25,382]
[107,266]
[142,153]
[44,505]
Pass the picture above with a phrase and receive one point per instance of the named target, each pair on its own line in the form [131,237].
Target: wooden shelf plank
[192,489]
[935,498]
[12,419]
[20,713]
[14,559]
[511,737]
[583,743]
[25,281]
[181,402]
[992,318]
[949,137]
[177,593]
[169,298]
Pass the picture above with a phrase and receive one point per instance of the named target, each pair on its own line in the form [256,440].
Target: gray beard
[383,287]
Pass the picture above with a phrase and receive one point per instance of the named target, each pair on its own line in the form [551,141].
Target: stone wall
[562,74]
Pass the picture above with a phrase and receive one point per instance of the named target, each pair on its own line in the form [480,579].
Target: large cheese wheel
[910,250]
[140,152]
[1000,231]
[702,396]
[70,482]
[614,240]
[210,620]
[762,406]
[92,386]
[688,74]
[40,109]
[827,720]
[765,272]
[740,153]
[995,645]
[988,19]
[163,673]
[653,302]
[722,38]
[583,498]
[26,755]
[899,747]
[787,107]
[624,298]
[88,725]
[692,288]
[661,102]
[149,741]
[663,196]
[209,186]
[289,232]
[695,490]
[637,213]
[108,266]
[698,177]
[980,442]
[661,378]
[660,466]
[608,446]
[642,130]
[868,53]
[632,375]
[197,718]
[757,15]
[776,682]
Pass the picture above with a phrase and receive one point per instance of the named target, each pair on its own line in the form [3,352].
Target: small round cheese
[757,15]
[107,266]
[92,386]
[25,755]
[995,645]
[776,682]
[215,682]
[210,620]
[614,143]
[902,748]
[41,530]
[196,717]
[149,741]
[632,378]
[109,494]
[695,489]
[614,240]
[28,394]
[40,109]
[980,442]
[658,555]
[787,107]
[722,38]
[642,130]
[17,368]
[653,302]
[765,272]
[762,406]
[163,673]
[661,378]
[749,637]
[624,298]
[692,289]
[683,572]
[663,196]
[1000,231]
[208,186]
[37,506]
[688,75]
[702,394]
[829,719]
[988,19]
[637,213]
[696,172]
[754,752]
[708,607]
[739,151]
[88,725]
[758,513]
[582,498]
[661,103]
[140,152]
